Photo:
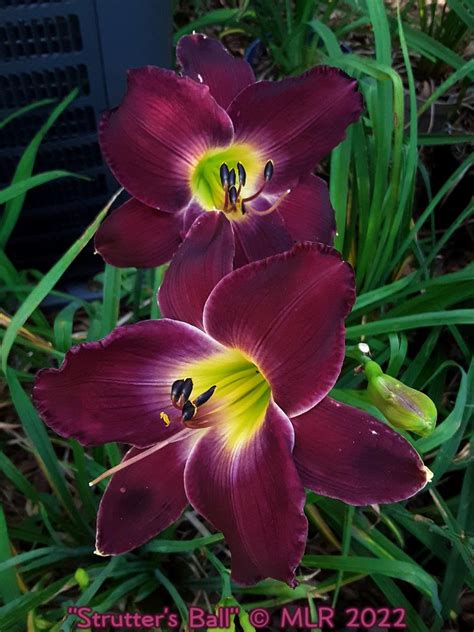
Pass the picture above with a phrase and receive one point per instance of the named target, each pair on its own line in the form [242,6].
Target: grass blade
[48,282]
[25,168]
[19,188]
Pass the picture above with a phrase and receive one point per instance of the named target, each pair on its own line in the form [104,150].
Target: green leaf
[18,609]
[9,589]
[464,9]
[111,301]
[48,282]
[63,326]
[25,168]
[43,450]
[405,571]
[413,321]
[428,140]
[182,546]
[17,478]
[449,448]
[91,591]
[57,552]
[429,47]
[211,18]
[24,110]
[19,188]
[398,600]
[174,594]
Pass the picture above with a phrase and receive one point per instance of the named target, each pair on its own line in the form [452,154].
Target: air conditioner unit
[47,48]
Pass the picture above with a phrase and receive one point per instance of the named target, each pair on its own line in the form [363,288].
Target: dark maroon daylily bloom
[246,418]
[217,140]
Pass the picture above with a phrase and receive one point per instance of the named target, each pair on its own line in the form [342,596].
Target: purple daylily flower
[233,418]
[217,140]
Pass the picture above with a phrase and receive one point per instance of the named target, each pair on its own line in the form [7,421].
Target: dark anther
[186,391]
[268,171]
[189,410]
[243,209]
[232,195]
[232,177]
[176,390]
[242,174]
[204,397]
[181,391]
[224,173]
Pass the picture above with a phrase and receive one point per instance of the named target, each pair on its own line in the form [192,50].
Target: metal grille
[48,48]
[23,88]
[77,158]
[74,122]
[27,39]
[24,3]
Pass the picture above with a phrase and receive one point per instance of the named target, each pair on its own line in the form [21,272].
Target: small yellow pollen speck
[165,418]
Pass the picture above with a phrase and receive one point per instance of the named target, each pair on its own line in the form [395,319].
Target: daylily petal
[206,60]
[116,388]
[286,313]
[203,259]
[257,237]
[153,139]
[307,211]
[297,121]
[345,453]
[252,493]
[190,214]
[142,499]
[136,235]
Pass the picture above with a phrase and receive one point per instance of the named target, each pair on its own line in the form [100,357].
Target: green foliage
[414,318]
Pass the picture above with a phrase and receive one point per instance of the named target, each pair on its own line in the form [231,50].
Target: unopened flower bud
[404,407]
[82,578]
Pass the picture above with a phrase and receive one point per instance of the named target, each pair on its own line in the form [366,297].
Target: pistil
[179,436]
[273,207]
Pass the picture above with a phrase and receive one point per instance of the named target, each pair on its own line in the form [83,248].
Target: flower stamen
[242,174]
[190,408]
[224,174]
[181,391]
[267,176]
[205,397]
[232,198]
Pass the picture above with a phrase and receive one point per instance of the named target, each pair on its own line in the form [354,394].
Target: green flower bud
[404,407]
[82,578]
